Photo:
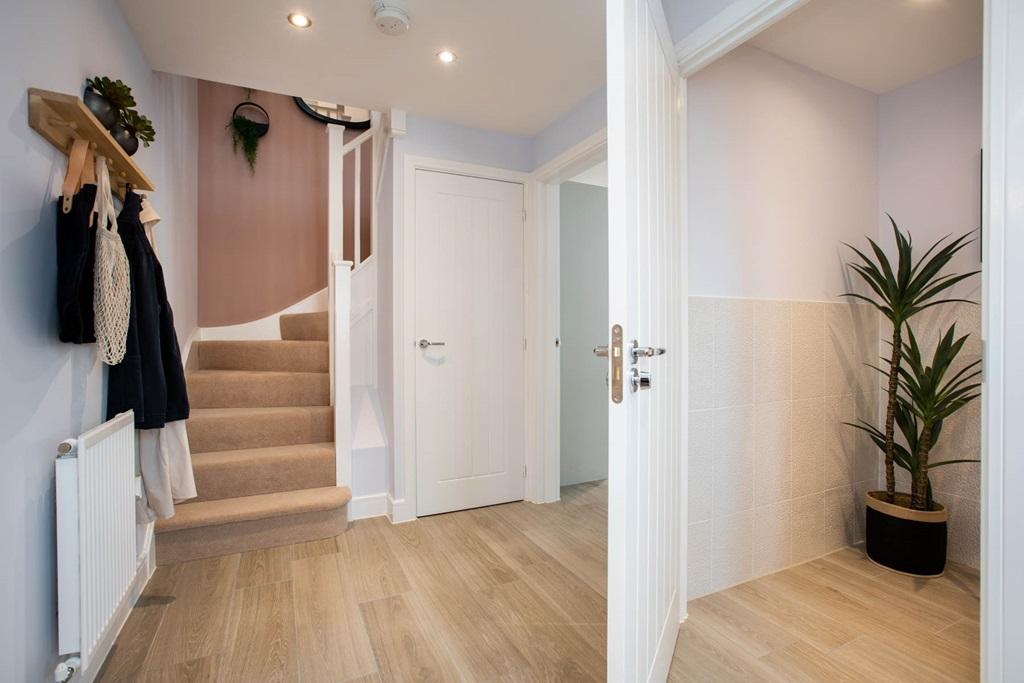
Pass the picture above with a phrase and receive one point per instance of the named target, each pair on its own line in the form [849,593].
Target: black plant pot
[129,143]
[100,107]
[906,541]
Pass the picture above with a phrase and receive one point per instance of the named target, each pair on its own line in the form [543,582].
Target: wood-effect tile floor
[836,618]
[507,593]
[517,593]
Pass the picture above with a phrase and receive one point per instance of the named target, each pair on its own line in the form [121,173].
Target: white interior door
[646,294]
[470,355]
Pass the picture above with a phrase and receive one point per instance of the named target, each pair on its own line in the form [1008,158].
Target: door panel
[647,297]
[470,417]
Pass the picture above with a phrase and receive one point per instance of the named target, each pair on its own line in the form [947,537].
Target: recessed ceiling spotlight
[446,56]
[299,20]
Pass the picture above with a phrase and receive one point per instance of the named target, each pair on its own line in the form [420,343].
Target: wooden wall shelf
[60,118]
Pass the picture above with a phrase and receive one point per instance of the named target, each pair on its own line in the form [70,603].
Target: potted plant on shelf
[132,128]
[894,539]
[106,99]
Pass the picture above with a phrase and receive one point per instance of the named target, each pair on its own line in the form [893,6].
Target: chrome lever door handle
[638,352]
[425,343]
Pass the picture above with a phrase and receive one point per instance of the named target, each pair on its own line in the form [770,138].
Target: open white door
[646,299]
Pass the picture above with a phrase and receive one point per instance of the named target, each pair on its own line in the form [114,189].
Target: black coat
[150,379]
[76,255]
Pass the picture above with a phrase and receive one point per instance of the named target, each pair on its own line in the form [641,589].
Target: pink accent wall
[262,235]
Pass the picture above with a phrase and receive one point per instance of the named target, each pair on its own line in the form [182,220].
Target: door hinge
[524,471]
[524,343]
[524,215]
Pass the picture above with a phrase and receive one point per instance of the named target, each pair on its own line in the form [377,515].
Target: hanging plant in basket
[249,122]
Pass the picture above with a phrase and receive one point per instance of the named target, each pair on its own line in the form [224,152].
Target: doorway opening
[823,136]
[583,325]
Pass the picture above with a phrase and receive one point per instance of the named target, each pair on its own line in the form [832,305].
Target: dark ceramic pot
[907,541]
[129,143]
[100,108]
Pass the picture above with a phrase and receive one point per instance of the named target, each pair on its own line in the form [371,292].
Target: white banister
[340,343]
[335,192]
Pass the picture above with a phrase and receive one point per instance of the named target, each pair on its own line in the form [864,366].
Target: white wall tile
[850,455]
[808,352]
[809,527]
[773,537]
[733,464]
[808,446]
[773,344]
[844,518]
[734,352]
[699,472]
[851,341]
[698,560]
[964,530]
[702,352]
[732,549]
[773,451]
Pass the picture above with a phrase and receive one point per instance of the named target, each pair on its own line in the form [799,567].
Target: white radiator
[97,557]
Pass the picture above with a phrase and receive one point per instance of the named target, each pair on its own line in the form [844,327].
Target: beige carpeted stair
[261,433]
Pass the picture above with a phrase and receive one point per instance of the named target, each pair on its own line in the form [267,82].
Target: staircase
[262,437]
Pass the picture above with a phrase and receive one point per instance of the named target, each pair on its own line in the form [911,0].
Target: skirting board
[364,507]
[400,511]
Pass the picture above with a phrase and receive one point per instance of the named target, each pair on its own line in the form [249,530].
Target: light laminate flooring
[517,593]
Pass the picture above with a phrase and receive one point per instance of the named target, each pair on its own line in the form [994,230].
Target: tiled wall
[774,477]
[958,487]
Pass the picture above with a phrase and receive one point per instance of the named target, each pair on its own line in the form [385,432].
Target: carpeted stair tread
[277,355]
[257,389]
[253,508]
[255,471]
[304,326]
[223,429]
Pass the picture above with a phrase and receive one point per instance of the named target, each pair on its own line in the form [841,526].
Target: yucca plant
[900,293]
[930,397]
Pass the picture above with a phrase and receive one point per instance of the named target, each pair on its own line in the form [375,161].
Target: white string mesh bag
[112,288]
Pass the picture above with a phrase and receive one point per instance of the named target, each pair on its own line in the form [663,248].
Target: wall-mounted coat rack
[60,118]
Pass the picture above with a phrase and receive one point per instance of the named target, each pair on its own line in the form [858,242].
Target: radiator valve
[65,671]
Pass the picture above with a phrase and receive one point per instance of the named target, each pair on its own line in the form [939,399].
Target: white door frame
[404,509]
[1002,545]
[543,322]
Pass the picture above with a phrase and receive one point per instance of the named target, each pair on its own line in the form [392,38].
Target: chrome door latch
[640,380]
[425,343]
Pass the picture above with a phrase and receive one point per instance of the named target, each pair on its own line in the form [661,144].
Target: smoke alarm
[392,16]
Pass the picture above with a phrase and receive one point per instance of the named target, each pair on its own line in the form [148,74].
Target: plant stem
[890,415]
[919,491]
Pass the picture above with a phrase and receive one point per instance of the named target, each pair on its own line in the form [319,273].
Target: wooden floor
[837,618]
[517,593]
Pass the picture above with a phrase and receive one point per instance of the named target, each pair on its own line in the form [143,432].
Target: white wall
[684,16]
[48,390]
[756,232]
[583,120]
[929,155]
[583,254]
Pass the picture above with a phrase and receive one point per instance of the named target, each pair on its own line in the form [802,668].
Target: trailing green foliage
[900,293]
[247,134]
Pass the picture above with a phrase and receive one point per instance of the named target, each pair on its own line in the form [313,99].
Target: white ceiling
[595,175]
[520,64]
[878,45]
